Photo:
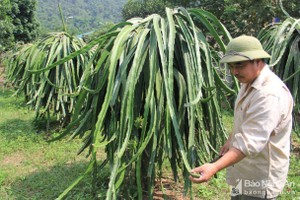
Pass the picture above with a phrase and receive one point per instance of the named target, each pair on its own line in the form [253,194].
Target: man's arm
[207,170]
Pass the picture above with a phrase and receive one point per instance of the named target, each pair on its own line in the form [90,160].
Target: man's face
[245,71]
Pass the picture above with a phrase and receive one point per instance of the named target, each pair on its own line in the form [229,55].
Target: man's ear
[258,61]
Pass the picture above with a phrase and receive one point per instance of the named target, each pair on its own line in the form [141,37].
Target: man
[256,153]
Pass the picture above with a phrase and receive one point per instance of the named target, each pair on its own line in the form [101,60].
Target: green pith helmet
[244,48]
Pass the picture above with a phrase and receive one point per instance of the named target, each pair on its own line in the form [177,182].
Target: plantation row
[149,90]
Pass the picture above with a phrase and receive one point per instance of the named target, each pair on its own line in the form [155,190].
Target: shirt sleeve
[261,118]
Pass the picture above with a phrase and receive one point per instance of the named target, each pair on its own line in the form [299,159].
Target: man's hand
[206,171]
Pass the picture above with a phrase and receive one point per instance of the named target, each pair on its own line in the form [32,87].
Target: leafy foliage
[249,17]
[141,8]
[238,16]
[137,8]
[17,22]
[6,26]
[23,18]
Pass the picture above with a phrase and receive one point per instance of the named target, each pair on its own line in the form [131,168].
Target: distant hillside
[80,15]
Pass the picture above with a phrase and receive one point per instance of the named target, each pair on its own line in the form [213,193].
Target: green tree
[6,26]
[138,8]
[17,22]
[239,16]
[23,19]
[247,16]
[142,8]
[215,7]
[292,7]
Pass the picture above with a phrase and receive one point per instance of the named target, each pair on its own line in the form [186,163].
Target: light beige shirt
[262,129]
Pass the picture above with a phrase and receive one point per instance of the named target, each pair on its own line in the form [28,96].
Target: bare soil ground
[172,190]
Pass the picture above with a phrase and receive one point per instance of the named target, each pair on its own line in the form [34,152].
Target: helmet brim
[249,55]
